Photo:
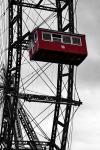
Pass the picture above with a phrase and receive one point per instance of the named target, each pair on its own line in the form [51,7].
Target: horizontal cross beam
[47,99]
[43,143]
[28,143]
[37,6]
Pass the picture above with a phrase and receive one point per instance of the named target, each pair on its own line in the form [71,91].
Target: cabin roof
[59,32]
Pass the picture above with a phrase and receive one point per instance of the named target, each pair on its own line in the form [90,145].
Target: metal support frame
[10,109]
[6,123]
[47,99]
[59,84]
[17,71]
[28,128]
[11,98]
[36,6]
[70,74]
[70,83]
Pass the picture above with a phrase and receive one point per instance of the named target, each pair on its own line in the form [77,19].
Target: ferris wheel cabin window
[46,36]
[56,37]
[76,41]
[66,39]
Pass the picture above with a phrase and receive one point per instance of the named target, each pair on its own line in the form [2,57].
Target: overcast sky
[86,133]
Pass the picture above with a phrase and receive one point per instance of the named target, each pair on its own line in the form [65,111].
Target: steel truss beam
[70,74]
[6,122]
[28,128]
[59,84]
[37,6]
[10,103]
[70,83]
[44,99]
[28,143]
[47,99]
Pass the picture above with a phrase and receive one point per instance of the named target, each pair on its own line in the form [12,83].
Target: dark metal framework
[13,109]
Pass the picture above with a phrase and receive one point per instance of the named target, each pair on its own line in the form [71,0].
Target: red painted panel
[55,46]
[58,52]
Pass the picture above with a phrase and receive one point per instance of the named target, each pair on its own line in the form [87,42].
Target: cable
[34,119]
[46,75]
[25,22]
[36,123]
[42,19]
[41,77]
[35,73]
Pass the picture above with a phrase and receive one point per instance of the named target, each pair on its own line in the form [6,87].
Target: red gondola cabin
[57,47]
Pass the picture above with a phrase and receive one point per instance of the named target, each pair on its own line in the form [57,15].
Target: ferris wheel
[38,97]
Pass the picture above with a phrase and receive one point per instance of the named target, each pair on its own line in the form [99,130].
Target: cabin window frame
[76,43]
[46,39]
[67,36]
[62,35]
[56,37]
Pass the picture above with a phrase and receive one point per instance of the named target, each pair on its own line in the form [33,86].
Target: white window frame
[76,44]
[68,36]
[58,38]
[47,33]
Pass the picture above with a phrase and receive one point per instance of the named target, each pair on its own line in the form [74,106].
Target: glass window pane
[56,37]
[47,36]
[76,40]
[66,39]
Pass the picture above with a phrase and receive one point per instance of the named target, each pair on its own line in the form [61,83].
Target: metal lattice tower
[14,115]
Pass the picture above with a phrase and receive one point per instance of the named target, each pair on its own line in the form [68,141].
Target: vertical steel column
[10,49]
[18,63]
[7,113]
[12,101]
[70,83]
[59,82]
[18,55]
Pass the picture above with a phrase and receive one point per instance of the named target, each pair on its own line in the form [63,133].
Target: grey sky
[86,134]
